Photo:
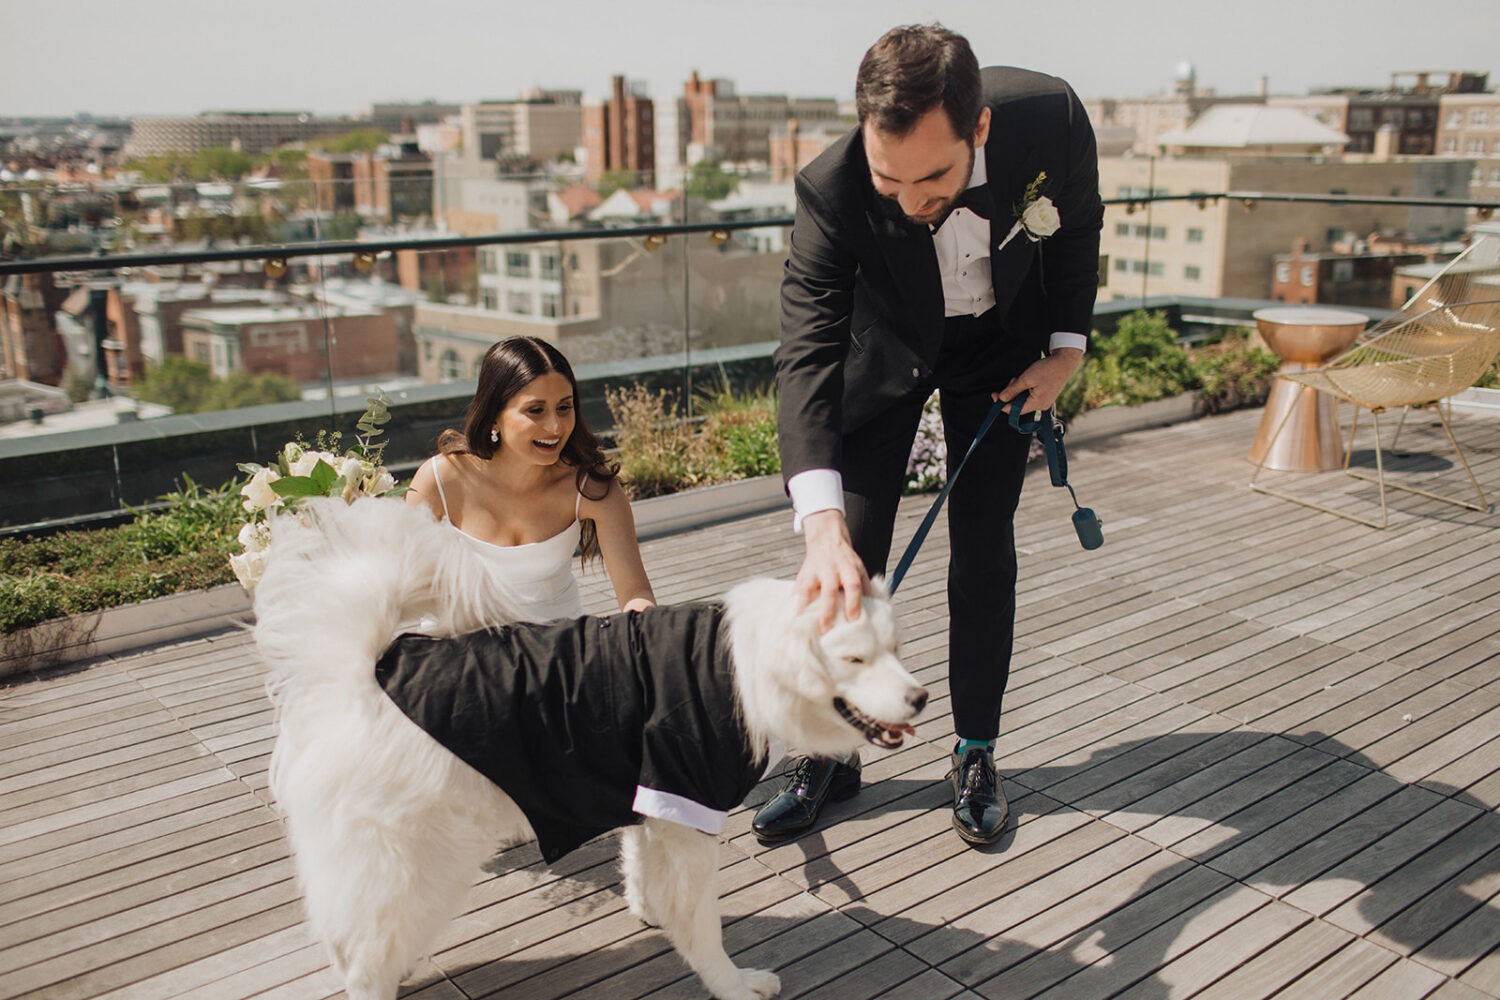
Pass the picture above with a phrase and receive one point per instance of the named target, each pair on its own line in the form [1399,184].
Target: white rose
[383,483]
[248,567]
[1040,218]
[304,463]
[254,537]
[292,452]
[353,468]
[258,493]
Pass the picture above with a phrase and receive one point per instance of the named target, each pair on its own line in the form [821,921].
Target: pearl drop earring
[494,436]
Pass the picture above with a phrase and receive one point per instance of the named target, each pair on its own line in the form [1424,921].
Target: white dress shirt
[962,243]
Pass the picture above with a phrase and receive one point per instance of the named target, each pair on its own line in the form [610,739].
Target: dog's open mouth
[887,736]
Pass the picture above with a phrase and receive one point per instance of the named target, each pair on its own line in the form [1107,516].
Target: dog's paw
[639,911]
[759,985]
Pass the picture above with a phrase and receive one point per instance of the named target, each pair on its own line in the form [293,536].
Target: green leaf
[323,475]
[249,468]
[297,486]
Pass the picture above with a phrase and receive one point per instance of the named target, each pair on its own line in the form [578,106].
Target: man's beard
[939,214]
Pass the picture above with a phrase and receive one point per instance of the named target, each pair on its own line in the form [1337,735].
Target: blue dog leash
[1085,522]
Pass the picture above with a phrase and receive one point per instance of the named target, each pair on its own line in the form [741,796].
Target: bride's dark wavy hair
[508,367]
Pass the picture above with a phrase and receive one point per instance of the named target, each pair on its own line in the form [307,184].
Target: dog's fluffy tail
[342,578]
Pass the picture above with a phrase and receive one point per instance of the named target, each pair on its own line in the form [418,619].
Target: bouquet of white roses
[300,471]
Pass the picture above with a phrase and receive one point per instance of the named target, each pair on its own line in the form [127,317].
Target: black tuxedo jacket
[861,298]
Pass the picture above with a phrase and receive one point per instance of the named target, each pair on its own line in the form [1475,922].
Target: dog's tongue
[904,727]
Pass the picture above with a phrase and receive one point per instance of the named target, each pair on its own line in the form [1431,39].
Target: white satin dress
[537,576]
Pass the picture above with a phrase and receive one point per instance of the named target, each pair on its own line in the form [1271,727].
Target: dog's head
[822,692]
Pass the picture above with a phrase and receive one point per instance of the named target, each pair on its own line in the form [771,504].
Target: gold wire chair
[1417,362]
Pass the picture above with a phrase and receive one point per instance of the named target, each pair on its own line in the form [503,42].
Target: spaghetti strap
[437,461]
[577,505]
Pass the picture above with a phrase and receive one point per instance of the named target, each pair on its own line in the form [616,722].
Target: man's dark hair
[913,69]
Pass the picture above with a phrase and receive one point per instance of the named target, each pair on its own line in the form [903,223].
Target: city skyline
[176,57]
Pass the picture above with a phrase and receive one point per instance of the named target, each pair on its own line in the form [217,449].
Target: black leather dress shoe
[979,806]
[813,781]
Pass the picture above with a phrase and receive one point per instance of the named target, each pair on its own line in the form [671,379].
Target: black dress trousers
[982,553]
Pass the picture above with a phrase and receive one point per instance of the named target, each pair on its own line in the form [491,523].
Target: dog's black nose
[917,699]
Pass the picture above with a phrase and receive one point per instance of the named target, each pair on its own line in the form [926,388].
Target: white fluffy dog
[389,828]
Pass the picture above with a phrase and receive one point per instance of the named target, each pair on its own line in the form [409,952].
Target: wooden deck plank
[1214,784]
[1236,946]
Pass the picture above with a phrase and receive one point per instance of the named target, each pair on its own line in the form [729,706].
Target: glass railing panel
[141,371]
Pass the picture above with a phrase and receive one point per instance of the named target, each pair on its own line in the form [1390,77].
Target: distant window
[1122,229]
[549,266]
[1120,264]
[1479,117]
[1283,272]
[1343,271]
[518,265]
[1191,272]
[450,367]
[1333,234]
[491,299]
[1455,119]
[1308,273]
[518,303]
[1156,269]
[1495,175]
[551,304]
[1450,144]
[1195,235]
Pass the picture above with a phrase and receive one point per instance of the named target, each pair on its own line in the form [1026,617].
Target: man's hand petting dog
[831,570]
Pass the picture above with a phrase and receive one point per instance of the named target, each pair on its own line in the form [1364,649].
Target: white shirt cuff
[813,490]
[1077,340]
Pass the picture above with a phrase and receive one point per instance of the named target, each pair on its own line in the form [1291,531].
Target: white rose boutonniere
[1036,215]
[1036,212]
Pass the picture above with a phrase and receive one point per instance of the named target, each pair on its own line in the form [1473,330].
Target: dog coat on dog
[591,723]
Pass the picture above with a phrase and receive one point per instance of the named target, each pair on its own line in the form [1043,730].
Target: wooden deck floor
[1252,751]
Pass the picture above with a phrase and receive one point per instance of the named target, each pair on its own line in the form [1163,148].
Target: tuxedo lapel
[909,254]
[1010,171]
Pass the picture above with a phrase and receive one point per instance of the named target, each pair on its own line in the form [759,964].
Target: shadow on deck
[1252,751]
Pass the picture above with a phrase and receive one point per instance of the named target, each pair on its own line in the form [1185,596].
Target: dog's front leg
[676,877]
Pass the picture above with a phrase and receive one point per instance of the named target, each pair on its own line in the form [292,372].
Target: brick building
[30,346]
[305,342]
[619,134]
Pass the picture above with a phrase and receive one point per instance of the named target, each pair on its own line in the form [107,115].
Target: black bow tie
[976,199]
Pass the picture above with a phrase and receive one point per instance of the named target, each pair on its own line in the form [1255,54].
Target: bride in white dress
[526,484]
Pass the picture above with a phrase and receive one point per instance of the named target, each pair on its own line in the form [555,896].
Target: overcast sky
[121,57]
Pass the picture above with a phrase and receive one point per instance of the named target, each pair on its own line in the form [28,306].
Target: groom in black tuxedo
[949,242]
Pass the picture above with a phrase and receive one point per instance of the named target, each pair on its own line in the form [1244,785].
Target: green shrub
[185,546]
[1232,373]
[1140,362]
[655,447]
[737,439]
[1143,362]
[660,452]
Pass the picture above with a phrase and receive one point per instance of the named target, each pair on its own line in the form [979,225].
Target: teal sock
[964,746]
